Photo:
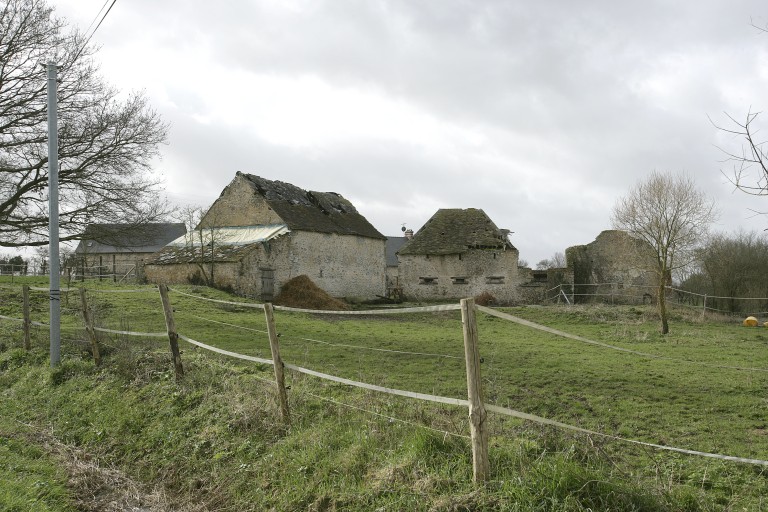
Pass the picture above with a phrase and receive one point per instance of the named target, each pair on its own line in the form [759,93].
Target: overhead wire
[97,16]
[88,39]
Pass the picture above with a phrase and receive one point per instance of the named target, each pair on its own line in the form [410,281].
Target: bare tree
[673,216]
[749,165]
[734,266]
[106,144]
[201,240]
[556,261]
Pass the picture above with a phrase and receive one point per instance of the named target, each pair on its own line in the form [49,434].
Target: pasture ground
[214,442]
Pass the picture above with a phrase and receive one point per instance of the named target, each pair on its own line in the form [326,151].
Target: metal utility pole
[53,215]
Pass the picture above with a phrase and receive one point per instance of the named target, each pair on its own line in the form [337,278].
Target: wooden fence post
[27,319]
[278,363]
[477,414]
[173,336]
[89,328]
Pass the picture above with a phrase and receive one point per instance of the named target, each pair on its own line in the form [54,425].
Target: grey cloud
[562,91]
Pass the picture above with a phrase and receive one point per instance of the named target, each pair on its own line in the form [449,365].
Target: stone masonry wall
[343,266]
[615,266]
[238,205]
[457,276]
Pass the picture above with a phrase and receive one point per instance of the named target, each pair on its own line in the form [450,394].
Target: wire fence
[621,293]
[270,332]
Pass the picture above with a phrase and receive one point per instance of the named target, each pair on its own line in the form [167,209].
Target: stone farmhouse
[260,233]
[121,249]
[459,253]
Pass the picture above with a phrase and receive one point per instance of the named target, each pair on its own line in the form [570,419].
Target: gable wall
[239,205]
[342,265]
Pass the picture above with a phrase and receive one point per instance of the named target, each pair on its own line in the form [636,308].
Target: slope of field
[214,440]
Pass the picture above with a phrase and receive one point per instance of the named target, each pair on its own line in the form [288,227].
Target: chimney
[408,233]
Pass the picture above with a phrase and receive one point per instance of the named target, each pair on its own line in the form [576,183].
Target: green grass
[214,438]
[31,480]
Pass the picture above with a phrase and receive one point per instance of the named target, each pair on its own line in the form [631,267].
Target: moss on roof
[321,212]
[172,255]
[456,231]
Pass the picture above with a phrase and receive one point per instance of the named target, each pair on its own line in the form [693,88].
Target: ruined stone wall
[457,276]
[179,273]
[544,286]
[613,268]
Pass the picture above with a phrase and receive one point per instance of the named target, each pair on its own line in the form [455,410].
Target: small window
[427,280]
[460,280]
[494,280]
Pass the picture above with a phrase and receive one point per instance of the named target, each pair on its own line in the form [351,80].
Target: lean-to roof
[227,244]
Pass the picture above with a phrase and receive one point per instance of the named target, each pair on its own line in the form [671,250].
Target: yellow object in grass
[750,321]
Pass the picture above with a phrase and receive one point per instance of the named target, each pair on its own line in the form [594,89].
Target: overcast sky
[541,113]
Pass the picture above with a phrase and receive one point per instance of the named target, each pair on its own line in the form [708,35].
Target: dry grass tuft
[97,488]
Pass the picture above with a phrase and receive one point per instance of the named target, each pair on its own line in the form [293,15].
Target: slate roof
[122,238]
[320,212]
[394,243]
[456,231]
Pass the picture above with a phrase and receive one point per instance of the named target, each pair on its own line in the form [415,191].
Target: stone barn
[459,253]
[122,249]
[615,267]
[260,233]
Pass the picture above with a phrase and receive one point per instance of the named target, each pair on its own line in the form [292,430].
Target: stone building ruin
[615,267]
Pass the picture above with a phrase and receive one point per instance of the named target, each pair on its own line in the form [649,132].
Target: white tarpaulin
[239,235]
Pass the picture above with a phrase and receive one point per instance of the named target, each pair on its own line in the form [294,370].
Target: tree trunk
[663,307]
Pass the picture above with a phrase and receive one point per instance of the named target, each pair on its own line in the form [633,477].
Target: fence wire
[456,401]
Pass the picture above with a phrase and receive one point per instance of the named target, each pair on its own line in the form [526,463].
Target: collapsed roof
[320,212]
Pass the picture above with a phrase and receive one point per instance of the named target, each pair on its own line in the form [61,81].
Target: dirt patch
[301,292]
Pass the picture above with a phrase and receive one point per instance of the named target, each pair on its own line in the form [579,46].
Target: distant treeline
[729,268]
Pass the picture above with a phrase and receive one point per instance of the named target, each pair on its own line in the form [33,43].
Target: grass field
[354,450]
